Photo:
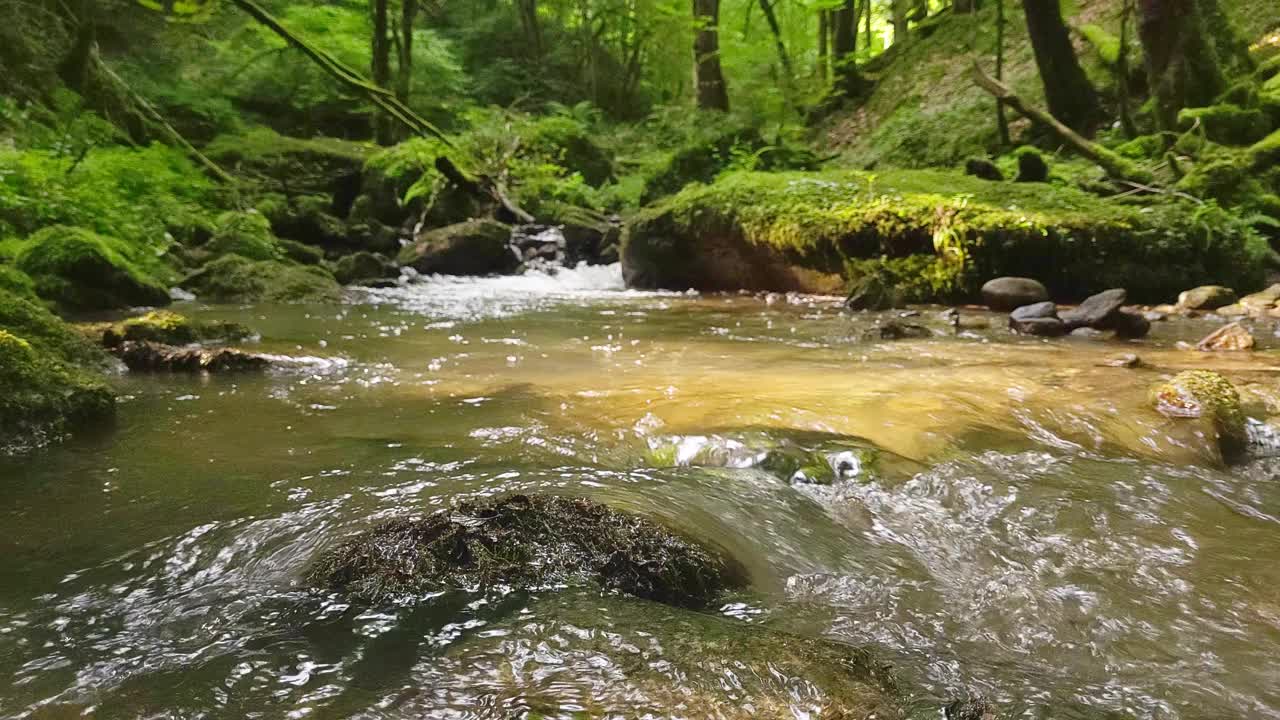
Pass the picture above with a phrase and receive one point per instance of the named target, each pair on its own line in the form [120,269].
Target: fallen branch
[158,119]
[383,98]
[1115,166]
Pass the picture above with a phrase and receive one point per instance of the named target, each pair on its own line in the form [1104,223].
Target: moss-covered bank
[45,389]
[939,235]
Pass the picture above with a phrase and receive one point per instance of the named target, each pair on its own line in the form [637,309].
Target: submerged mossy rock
[81,270]
[476,247]
[804,231]
[1210,396]
[41,394]
[247,234]
[158,357]
[232,278]
[528,542]
[168,328]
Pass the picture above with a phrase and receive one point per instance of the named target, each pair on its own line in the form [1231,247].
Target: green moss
[1104,43]
[1266,152]
[247,234]
[298,164]
[168,328]
[41,391]
[1243,93]
[362,266]
[232,278]
[45,331]
[783,231]
[1143,147]
[570,144]
[81,270]
[1226,123]
[302,254]
[1205,394]
[17,282]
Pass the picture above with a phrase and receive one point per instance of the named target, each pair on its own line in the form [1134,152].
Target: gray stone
[1008,293]
[1042,326]
[1036,310]
[1095,310]
[1127,325]
[1207,297]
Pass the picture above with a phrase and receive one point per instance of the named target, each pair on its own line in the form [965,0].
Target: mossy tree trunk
[75,66]
[381,68]
[849,81]
[1070,95]
[1232,49]
[766,6]
[899,20]
[404,76]
[824,31]
[1182,67]
[532,28]
[1002,123]
[711,90]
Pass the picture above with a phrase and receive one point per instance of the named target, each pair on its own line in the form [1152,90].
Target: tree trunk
[772,18]
[708,77]
[1070,96]
[532,28]
[74,68]
[1182,67]
[382,132]
[963,7]
[824,32]
[404,79]
[1122,72]
[848,80]
[866,28]
[899,20]
[1002,123]
[1231,48]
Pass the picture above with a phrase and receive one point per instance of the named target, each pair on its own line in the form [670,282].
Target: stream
[1015,522]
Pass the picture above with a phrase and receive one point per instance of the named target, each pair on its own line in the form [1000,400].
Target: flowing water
[1010,519]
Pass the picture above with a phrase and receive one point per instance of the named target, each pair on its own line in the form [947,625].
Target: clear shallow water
[1020,525]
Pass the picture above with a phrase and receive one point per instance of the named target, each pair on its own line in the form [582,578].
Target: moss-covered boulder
[298,165]
[1226,123]
[809,231]
[309,219]
[247,234]
[1032,167]
[17,282]
[169,328]
[1266,152]
[1205,395]
[364,267]
[40,394]
[81,270]
[476,247]
[232,278]
[527,542]
[46,383]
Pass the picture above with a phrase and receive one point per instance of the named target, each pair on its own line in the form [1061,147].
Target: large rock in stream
[1009,293]
[528,542]
[475,247]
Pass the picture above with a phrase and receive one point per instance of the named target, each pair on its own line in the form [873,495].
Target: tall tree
[1002,122]
[1182,67]
[404,77]
[708,77]
[766,6]
[1067,89]
[824,33]
[381,67]
[845,46]
[532,28]
[899,8]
